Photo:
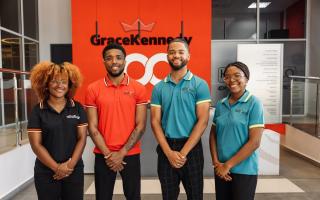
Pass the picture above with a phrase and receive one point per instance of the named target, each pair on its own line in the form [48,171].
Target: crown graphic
[134,27]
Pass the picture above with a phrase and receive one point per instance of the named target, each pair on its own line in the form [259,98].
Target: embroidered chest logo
[188,90]
[241,111]
[128,92]
[73,117]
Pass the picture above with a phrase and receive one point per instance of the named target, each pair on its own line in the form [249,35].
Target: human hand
[222,171]
[117,168]
[62,171]
[176,159]
[114,160]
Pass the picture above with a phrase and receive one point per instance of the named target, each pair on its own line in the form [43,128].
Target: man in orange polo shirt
[117,110]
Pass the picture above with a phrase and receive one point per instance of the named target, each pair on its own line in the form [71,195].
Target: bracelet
[67,165]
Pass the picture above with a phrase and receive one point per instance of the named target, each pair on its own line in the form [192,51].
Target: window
[10,49]
[10,17]
[234,23]
[283,19]
[233,20]
[30,17]
[31,50]
[19,51]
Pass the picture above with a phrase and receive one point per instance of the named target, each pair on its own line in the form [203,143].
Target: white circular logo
[148,64]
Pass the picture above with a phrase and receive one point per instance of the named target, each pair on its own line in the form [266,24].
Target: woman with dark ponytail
[235,135]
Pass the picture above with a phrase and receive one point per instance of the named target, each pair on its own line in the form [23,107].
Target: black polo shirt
[58,130]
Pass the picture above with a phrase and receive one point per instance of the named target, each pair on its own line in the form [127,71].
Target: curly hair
[43,72]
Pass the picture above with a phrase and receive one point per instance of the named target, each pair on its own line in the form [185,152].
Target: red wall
[165,15]
[295,16]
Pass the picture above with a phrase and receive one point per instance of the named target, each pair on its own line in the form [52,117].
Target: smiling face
[114,62]
[178,55]
[235,80]
[58,86]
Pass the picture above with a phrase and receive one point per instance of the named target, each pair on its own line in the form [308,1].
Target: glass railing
[304,104]
[16,102]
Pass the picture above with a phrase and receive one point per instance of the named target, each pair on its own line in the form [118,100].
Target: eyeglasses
[235,77]
[57,82]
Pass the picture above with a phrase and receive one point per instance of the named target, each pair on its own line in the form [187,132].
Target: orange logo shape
[134,26]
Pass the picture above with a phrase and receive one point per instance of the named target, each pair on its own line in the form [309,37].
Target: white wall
[16,168]
[54,25]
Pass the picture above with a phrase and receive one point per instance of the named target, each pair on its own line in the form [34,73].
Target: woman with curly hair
[57,131]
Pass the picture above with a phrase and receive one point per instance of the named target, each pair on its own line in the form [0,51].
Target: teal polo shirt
[178,103]
[232,128]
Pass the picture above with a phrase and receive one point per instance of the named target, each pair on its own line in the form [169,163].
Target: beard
[115,74]
[178,67]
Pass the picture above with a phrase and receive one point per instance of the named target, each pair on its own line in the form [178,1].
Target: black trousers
[68,188]
[242,187]
[105,178]
[191,174]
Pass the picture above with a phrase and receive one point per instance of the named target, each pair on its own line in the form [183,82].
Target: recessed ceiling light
[261,5]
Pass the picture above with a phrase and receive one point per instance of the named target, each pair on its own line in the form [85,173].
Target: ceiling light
[261,5]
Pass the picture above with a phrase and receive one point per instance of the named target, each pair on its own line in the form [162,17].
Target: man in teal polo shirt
[179,115]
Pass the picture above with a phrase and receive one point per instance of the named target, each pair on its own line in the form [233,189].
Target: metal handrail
[15,96]
[13,71]
[305,77]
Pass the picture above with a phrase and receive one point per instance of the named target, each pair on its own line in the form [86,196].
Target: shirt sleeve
[203,93]
[256,116]
[90,97]
[141,96]
[155,97]
[83,121]
[34,121]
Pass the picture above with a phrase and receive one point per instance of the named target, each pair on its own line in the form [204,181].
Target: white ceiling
[241,6]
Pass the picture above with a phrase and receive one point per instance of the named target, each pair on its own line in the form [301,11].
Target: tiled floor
[265,185]
[300,172]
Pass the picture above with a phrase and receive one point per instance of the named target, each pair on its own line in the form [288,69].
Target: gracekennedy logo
[148,63]
[135,26]
[135,39]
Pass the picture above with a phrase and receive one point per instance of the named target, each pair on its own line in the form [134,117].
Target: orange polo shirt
[116,107]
